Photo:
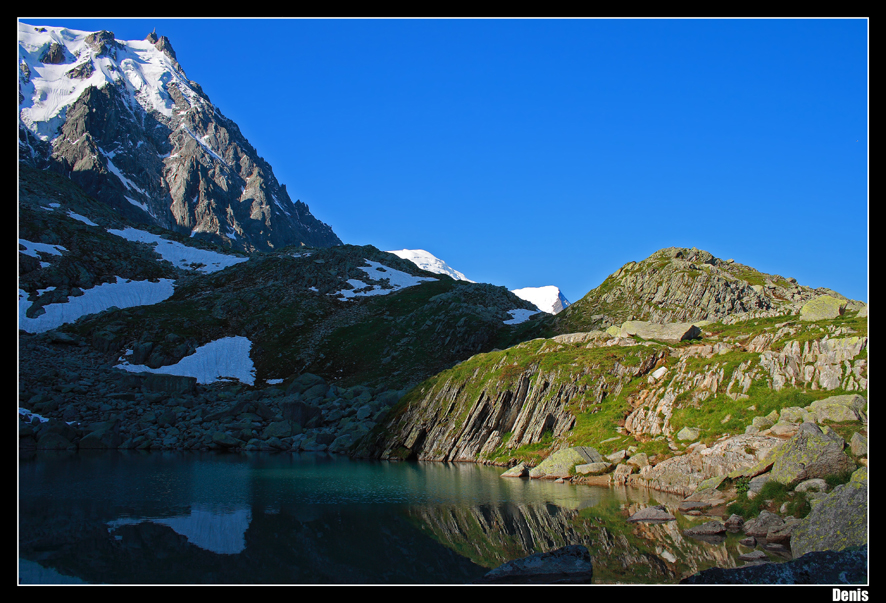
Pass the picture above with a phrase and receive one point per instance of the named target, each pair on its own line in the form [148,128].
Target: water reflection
[133,518]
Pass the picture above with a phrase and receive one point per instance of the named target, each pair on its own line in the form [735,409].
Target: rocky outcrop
[684,285]
[503,400]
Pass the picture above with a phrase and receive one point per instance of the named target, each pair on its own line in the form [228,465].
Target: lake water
[207,518]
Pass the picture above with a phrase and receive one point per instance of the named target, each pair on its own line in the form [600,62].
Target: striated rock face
[504,400]
[684,285]
[138,135]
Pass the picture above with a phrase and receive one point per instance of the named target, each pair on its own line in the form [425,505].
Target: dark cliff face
[173,161]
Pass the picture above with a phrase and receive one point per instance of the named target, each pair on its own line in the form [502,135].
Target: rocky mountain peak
[126,124]
[677,284]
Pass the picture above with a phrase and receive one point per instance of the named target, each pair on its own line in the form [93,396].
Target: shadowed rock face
[824,567]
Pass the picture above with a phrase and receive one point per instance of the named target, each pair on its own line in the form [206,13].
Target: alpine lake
[127,517]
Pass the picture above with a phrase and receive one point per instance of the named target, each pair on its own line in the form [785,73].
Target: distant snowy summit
[428,261]
[548,299]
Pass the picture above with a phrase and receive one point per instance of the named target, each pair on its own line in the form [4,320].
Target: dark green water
[198,518]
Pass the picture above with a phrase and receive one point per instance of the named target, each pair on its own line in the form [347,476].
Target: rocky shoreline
[72,398]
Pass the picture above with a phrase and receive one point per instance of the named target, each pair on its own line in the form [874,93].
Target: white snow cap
[428,261]
[547,299]
[48,90]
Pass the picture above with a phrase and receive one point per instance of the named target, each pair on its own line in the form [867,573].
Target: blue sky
[530,152]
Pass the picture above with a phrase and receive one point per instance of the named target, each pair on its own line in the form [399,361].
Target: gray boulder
[809,454]
[674,332]
[709,528]
[764,522]
[567,565]
[825,567]
[838,521]
[656,514]
[516,471]
[822,308]
[561,463]
[838,408]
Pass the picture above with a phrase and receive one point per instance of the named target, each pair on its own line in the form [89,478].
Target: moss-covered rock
[563,462]
[838,521]
[823,307]
[810,453]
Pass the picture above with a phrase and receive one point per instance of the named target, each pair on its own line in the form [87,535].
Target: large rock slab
[567,565]
[825,567]
[674,332]
[838,408]
[562,462]
[810,454]
[823,307]
[684,474]
[838,521]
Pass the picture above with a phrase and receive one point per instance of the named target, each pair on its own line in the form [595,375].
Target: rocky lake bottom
[151,517]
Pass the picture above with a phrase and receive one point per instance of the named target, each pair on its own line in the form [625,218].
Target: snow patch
[181,255]
[226,358]
[122,294]
[377,271]
[519,315]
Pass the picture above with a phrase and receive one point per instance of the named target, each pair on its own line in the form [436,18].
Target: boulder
[304,382]
[278,429]
[562,462]
[823,307]
[709,528]
[838,408]
[593,468]
[567,565]
[102,436]
[838,521]
[764,522]
[688,434]
[810,454]
[859,444]
[225,440]
[516,471]
[734,523]
[658,514]
[826,567]
[674,332]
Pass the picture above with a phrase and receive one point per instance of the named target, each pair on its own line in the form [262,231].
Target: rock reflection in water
[316,519]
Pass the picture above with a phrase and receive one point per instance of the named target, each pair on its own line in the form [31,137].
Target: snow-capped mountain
[122,120]
[548,299]
[428,261]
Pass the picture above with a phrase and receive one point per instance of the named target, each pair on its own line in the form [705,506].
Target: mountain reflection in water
[200,518]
